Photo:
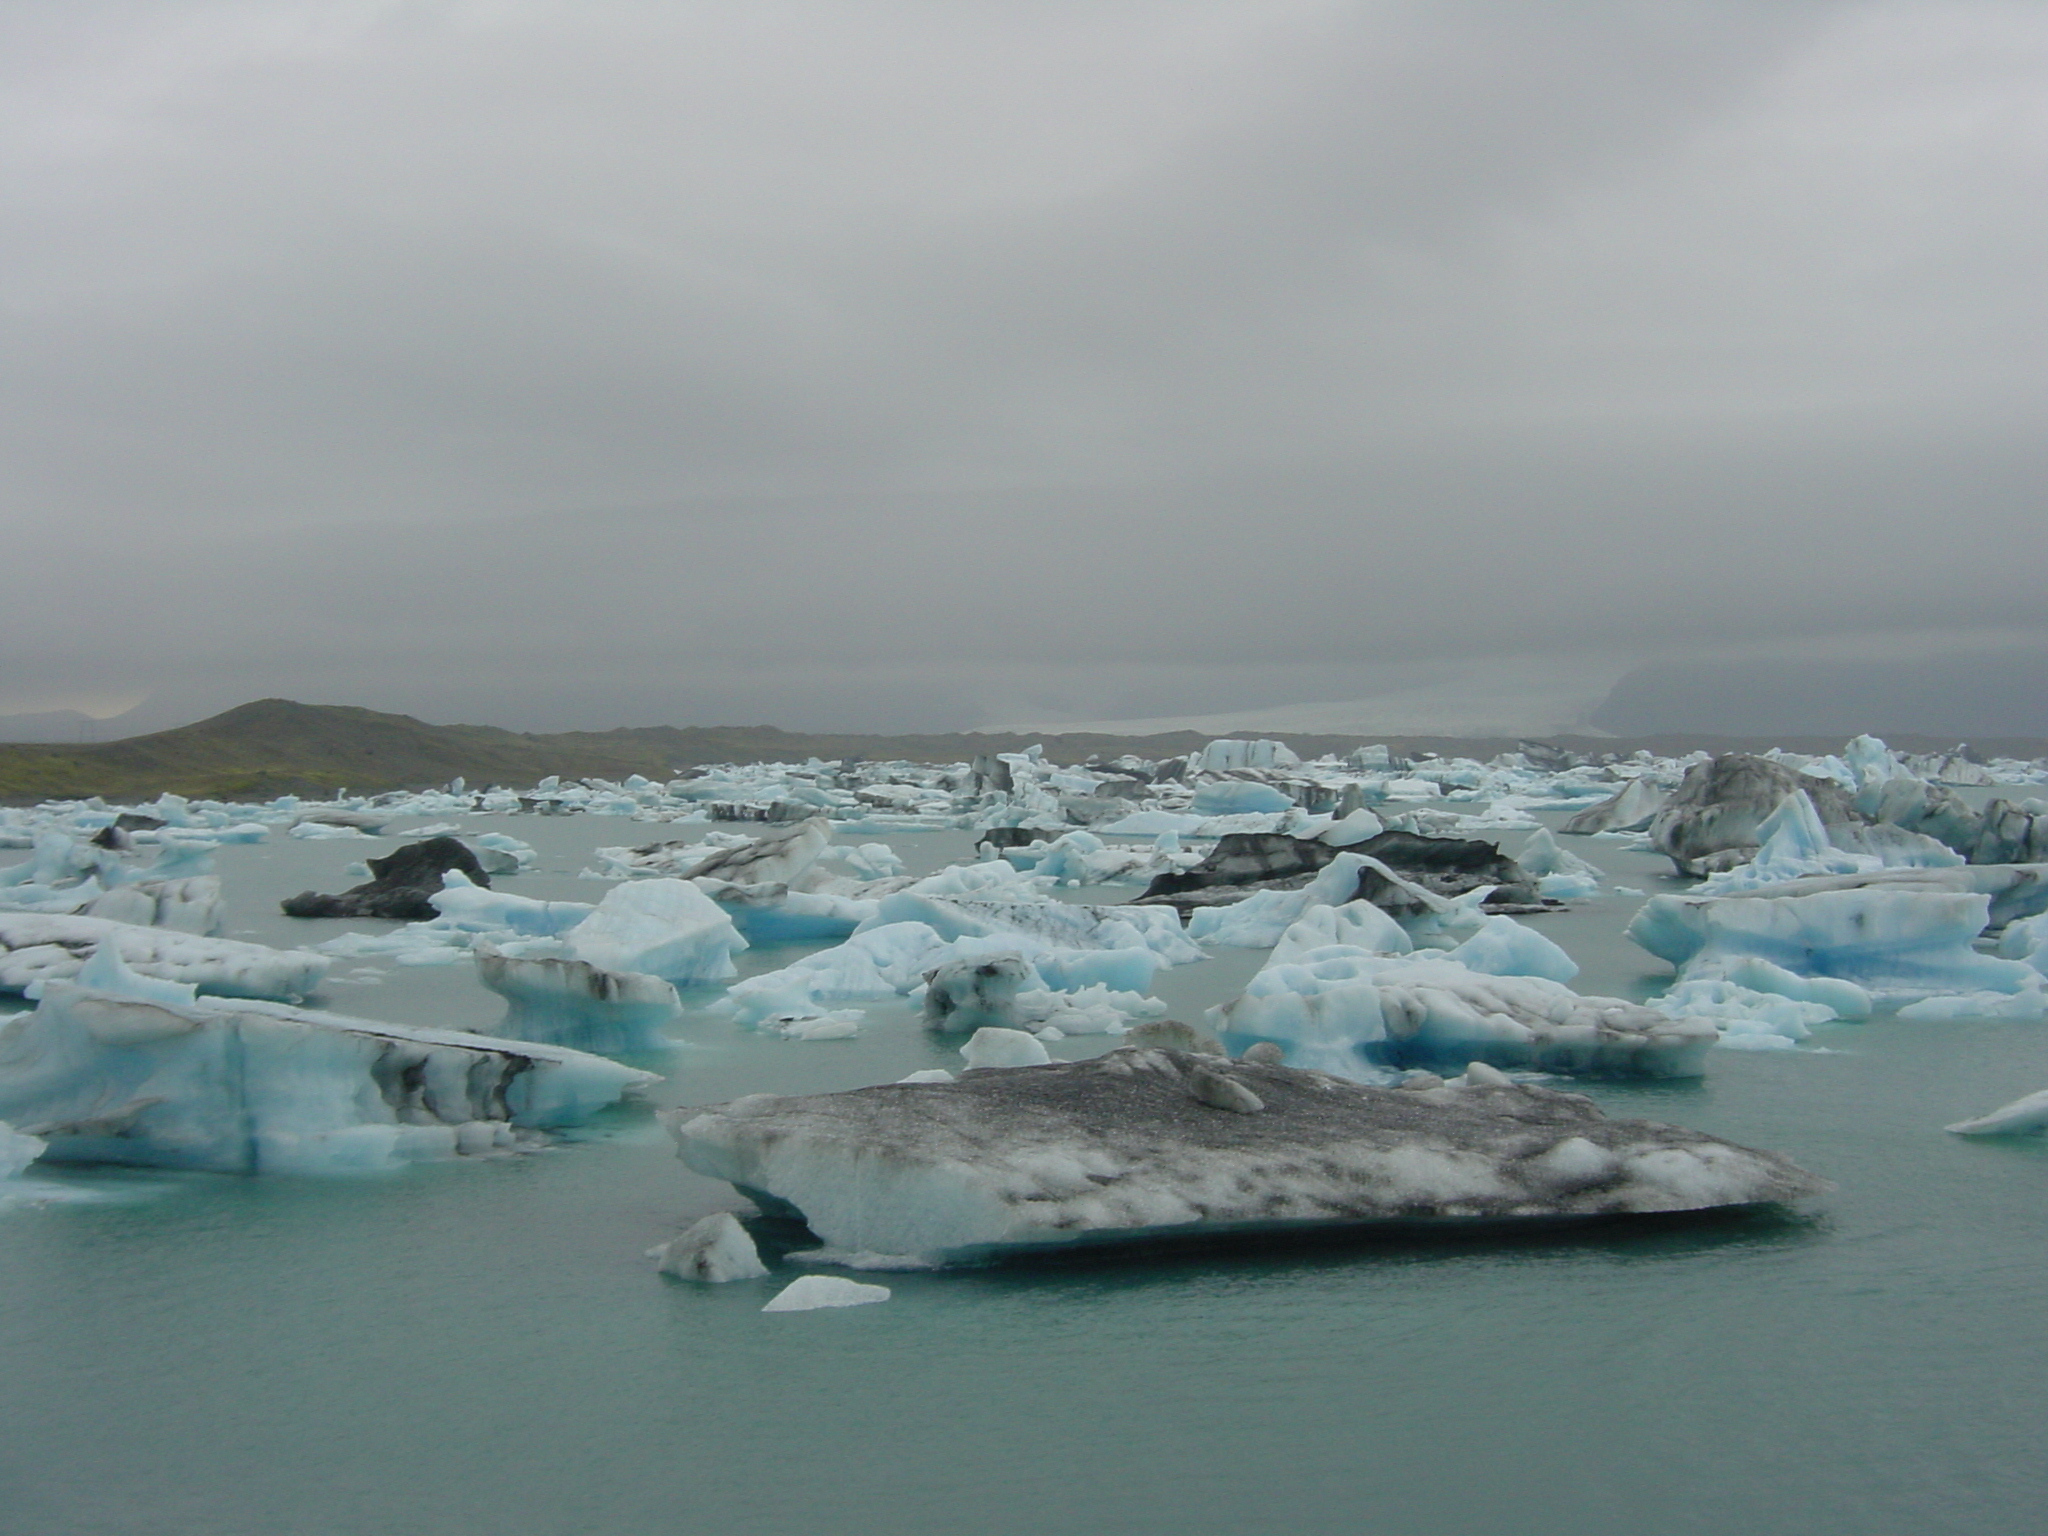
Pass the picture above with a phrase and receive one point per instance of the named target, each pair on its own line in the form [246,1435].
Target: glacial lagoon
[482,1344]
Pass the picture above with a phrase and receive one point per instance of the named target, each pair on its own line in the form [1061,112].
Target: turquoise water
[481,1346]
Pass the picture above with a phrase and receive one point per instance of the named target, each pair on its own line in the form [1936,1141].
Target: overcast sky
[906,365]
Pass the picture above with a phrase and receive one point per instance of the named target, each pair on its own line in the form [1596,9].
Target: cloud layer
[917,365]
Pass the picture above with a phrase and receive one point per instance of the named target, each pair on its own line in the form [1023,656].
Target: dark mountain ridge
[277,746]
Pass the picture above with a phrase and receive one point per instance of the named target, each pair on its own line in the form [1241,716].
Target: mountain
[275,747]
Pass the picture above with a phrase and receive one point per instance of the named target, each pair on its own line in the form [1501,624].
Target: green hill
[275,747]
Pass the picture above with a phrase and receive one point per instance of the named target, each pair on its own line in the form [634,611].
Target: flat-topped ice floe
[118,1068]
[39,948]
[1154,1143]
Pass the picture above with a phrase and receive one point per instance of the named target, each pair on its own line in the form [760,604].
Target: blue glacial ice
[1901,940]
[37,949]
[1352,1011]
[121,1068]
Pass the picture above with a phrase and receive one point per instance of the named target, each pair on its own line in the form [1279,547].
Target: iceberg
[1134,1146]
[1898,941]
[1365,1016]
[38,949]
[812,1293]
[120,1068]
[1629,809]
[566,1001]
[1560,876]
[1715,818]
[2026,1116]
[403,884]
[714,1250]
[18,1151]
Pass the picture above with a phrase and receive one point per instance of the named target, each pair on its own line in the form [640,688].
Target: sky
[906,366]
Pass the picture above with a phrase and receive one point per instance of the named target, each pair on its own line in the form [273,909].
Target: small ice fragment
[928,1075]
[714,1250]
[814,1291]
[2022,1117]
[992,1047]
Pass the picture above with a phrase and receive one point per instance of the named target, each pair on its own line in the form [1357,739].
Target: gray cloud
[921,365]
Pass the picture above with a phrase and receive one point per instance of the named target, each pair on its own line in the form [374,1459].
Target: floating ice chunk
[1630,809]
[1357,827]
[1094,1010]
[1258,921]
[1359,1015]
[962,996]
[815,1291]
[665,928]
[1354,925]
[2029,1006]
[142,1071]
[35,949]
[1239,797]
[190,905]
[17,1151]
[503,855]
[2022,1117]
[1125,1145]
[1899,944]
[714,1250]
[928,1075]
[467,907]
[1505,947]
[992,1047]
[1560,875]
[557,998]
[1747,1019]
[842,1024]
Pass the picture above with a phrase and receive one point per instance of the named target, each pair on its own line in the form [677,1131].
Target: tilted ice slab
[35,949]
[1149,1143]
[1361,1015]
[122,1069]
[1898,941]
[2026,1116]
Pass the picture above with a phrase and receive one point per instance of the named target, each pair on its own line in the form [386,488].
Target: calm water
[482,1347]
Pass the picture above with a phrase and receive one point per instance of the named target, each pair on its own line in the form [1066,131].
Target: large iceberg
[119,1068]
[1149,1143]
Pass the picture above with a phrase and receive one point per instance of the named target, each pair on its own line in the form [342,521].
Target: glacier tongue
[1145,1143]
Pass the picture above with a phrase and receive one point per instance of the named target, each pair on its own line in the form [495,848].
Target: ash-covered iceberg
[119,1068]
[1147,1143]
[1715,818]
